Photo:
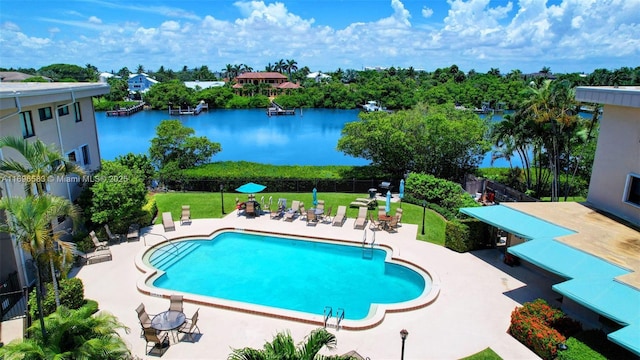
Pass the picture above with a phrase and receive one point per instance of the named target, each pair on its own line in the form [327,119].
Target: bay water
[309,137]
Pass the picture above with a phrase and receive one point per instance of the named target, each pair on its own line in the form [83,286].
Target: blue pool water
[287,273]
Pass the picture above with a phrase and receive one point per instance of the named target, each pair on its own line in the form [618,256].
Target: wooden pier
[189,110]
[276,109]
[126,111]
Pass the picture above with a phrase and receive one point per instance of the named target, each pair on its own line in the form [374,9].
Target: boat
[370,106]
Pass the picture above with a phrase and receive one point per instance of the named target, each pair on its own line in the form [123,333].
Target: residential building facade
[274,82]
[140,82]
[61,115]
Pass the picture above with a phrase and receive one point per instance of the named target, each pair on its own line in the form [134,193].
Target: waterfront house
[275,82]
[591,250]
[139,83]
[61,115]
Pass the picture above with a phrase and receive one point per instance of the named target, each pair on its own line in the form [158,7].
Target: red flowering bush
[531,325]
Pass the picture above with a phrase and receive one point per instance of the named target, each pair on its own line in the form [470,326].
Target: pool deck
[472,312]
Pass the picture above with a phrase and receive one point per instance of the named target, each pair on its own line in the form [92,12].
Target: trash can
[372,193]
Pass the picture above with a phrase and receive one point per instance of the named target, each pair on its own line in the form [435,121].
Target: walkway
[472,313]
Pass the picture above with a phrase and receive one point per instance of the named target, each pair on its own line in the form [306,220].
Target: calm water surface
[309,138]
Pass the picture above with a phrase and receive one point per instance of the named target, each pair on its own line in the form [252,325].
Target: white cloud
[426,12]
[95,20]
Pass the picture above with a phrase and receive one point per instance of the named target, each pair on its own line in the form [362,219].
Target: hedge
[464,235]
[71,295]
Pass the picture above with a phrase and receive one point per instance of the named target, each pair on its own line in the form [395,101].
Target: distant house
[16,76]
[140,82]
[275,80]
[318,76]
[106,76]
[203,84]
[59,114]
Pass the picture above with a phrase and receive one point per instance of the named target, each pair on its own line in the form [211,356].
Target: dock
[276,109]
[126,111]
[189,110]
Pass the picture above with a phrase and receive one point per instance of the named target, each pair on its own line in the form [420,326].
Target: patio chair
[157,340]
[175,303]
[167,222]
[190,326]
[399,215]
[392,226]
[312,218]
[320,205]
[293,212]
[361,220]
[341,214]
[185,217]
[112,237]
[145,320]
[382,212]
[250,209]
[100,245]
[134,232]
[375,225]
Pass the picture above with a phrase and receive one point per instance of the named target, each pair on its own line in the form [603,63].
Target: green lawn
[208,205]
[486,354]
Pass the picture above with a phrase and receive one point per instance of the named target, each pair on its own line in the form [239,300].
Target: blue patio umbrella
[315,197]
[387,205]
[250,188]
[401,193]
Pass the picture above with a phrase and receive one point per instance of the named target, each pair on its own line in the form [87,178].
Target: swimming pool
[295,274]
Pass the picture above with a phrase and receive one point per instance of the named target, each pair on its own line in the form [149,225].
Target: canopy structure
[590,281]
[250,188]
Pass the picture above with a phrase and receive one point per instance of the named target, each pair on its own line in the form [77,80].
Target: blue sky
[564,35]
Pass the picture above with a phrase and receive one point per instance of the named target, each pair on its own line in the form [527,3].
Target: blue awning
[591,280]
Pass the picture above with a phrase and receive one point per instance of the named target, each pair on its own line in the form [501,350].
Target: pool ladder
[328,314]
[367,251]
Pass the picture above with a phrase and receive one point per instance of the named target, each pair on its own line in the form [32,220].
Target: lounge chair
[303,212]
[293,212]
[94,256]
[185,217]
[157,340]
[278,213]
[341,214]
[100,245]
[361,220]
[176,303]
[360,202]
[326,217]
[312,218]
[190,326]
[134,232]
[167,222]
[112,237]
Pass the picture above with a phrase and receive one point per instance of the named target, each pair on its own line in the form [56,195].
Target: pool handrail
[165,238]
[327,315]
[339,317]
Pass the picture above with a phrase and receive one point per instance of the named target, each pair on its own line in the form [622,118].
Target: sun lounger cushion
[167,222]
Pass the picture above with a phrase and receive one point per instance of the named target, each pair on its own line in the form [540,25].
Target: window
[45,113]
[85,154]
[62,111]
[72,156]
[76,108]
[632,190]
[26,124]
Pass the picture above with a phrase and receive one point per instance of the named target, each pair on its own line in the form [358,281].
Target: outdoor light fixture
[424,209]
[403,335]
[222,197]
[562,347]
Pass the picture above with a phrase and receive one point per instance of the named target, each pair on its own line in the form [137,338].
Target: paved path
[472,312]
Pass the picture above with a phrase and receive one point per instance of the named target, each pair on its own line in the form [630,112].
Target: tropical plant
[74,334]
[283,348]
[29,220]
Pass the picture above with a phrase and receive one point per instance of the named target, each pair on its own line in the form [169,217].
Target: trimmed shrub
[531,325]
[71,296]
[148,212]
[466,234]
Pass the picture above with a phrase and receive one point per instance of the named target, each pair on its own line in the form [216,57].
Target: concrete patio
[478,293]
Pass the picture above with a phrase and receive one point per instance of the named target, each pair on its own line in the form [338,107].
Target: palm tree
[280,66]
[74,334]
[140,69]
[283,347]
[43,162]
[291,65]
[29,220]
[269,68]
